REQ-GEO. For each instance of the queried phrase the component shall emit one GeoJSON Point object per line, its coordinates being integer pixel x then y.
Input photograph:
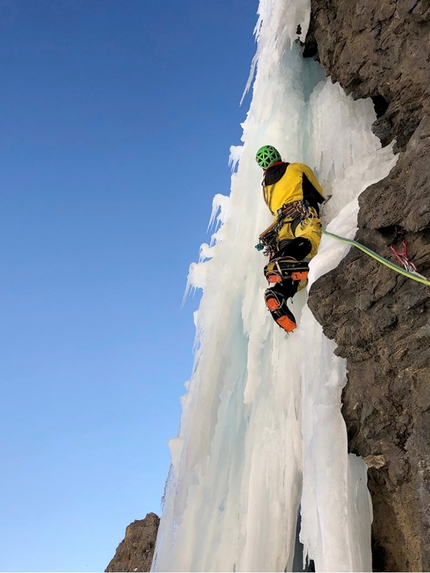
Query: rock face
{"type": "Point", "coordinates": [379, 319]}
{"type": "Point", "coordinates": [136, 550]}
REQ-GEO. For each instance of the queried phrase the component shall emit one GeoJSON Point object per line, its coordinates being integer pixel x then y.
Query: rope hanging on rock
{"type": "Point", "coordinates": [410, 273]}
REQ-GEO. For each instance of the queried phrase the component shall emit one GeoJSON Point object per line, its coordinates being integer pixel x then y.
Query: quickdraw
{"type": "Point", "coordinates": [292, 211]}
{"type": "Point", "coordinates": [400, 234]}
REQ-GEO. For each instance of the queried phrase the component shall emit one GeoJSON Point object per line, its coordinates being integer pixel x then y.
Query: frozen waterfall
{"type": "Point", "coordinates": [261, 433]}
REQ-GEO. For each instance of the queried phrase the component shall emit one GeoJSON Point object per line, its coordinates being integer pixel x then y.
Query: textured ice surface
{"type": "Point", "coordinates": [261, 431]}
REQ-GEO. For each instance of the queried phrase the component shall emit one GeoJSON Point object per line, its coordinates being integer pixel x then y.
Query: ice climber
{"type": "Point", "coordinates": [293, 195]}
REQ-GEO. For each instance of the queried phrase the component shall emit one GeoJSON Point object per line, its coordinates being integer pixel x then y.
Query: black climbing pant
{"type": "Point", "coordinates": [277, 295]}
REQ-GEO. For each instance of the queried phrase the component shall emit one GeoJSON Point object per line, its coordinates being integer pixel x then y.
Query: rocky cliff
{"type": "Point", "coordinates": [136, 550]}
{"type": "Point", "coordinates": [379, 319]}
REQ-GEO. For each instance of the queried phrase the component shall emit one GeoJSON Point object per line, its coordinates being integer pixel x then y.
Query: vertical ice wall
{"type": "Point", "coordinates": [261, 431]}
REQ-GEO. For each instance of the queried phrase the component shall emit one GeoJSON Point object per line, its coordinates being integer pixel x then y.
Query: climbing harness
{"type": "Point", "coordinates": [412, 274]}
{"type": "Point", "coordinates": [291, 212]}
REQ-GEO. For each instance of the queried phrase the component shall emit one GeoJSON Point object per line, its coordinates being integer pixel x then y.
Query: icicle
{"type": "Point", "coordinates": [261, 431]}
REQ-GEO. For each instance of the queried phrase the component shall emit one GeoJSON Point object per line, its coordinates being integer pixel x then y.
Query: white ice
{"type": "Point", "coordinates": [261, 433]}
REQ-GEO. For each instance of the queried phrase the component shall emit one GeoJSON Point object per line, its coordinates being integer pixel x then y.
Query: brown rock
{"type": "Point", "coordinates": [136, 550]}
{"type": "Point", "coordinates": [379, 319]}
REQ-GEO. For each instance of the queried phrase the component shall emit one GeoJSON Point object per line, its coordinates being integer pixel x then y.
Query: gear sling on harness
{"type": "Point", "coordinates": [288, 267]}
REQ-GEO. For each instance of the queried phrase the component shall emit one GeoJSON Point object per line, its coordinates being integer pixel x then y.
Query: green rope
{"type": "Point", "coordinates": [411, 275]}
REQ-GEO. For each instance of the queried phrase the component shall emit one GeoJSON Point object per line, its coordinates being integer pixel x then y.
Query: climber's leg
{"type": "Point", "coordinates": [276, 301]}
{"type": "Point", "coordinates": [298, 249]}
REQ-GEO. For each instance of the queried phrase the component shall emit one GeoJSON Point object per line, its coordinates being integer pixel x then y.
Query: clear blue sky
{"type": "Point", "coordinates": [116, 118]}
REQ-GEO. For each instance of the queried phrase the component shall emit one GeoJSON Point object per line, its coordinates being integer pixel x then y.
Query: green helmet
{"type": "Point", "coordinates": [266, 156]}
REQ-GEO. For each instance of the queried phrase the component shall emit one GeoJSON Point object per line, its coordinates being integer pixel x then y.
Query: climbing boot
{"type": "Point", "coordinates": [279, 310]}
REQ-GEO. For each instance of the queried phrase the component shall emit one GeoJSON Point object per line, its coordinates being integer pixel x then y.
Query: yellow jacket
{"type": "Point", "coordinates": [285, 183]}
